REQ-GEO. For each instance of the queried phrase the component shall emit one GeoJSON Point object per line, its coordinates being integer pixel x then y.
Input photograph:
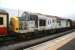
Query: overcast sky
{"type": "Point", "coordinates": [62, 8]}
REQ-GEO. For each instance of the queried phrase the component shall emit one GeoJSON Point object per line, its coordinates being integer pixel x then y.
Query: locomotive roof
{"type": "Point", "coordinates": [41, 14]}
{"type": "Point", "coordinates": [2, 11]}
{"type": "Point", "coordinates": [44, 15]}
{"type": "Point", "coordinates": [58, 18]}
{"type": "Point", "coordinates": [51, 16]}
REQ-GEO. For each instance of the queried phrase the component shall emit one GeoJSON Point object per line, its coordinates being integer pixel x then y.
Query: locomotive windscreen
{"type": "Point", "coordinates": [1, 20]}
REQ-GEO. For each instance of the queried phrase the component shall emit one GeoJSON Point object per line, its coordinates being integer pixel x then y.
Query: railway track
{"type": "Point", "coordinates": [13, 45]}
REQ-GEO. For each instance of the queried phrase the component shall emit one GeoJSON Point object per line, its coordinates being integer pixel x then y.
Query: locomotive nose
{"type": "Point", "coordinates": [15, 24]}
{"type": "Point", "coordinates": [3, 23]}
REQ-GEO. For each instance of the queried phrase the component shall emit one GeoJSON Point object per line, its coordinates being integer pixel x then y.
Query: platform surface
{"type": "Point", "coordinates": [69, 46]}
{"type": "Point", "coordinates": [66, 42]}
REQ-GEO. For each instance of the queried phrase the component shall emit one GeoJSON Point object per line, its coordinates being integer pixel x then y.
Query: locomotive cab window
{"type": "Point", "coordinates": [1, 20]}
{"type": "Point", "coordinates": [42, 22]}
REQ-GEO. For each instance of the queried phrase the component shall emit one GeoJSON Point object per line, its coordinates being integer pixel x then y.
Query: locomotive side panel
{"type": "Point", "coordinates": [42, 22]}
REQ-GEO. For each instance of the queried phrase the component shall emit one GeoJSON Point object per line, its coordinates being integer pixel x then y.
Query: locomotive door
{"type": "Point", "coordinates": [3, 23]}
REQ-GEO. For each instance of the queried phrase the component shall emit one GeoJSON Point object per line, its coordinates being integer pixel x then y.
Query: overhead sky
{"type": "Point", "coordinates": [61, 8]}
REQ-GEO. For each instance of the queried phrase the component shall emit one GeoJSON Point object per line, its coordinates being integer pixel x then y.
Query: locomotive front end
{"type": "Point", "coordinates": [3, 23]}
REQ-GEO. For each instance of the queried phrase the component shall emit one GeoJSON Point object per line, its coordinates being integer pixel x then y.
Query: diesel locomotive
{"type": "Point", "coordinates": [31, 25]}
